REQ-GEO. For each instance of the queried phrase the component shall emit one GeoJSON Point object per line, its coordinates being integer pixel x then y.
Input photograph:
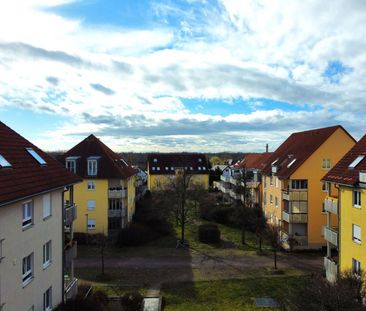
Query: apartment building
{"type": "Point", "coordinates": [293, 193]}
{"type": "Point", "coordinates": [162, 167]}
{"type": "Point", "coordinates": [32, 187]}
{"type": "Point", "coordinates": [106, 196]}
{"type": "Point", "coordinates": [345, 206]}
{"type": "Point", "coordinates": [249, 168]}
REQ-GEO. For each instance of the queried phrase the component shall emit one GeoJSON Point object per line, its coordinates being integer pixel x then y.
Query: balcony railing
{"type": "Point", "coordinates": [70, 214]}
{"type": "Point", "coordinates": [331, 205]}
{"type": "Point", "coordinates": [115, 193]}
{"type": "Point", "coordinates": [71, 287]}
{"type": "Point", "coordinates": [301, 240]}
{"type": "Point", "coordinates": [225, 178]}
{"type": "Point", "coordinates": [294, 218]}
{"type": "Point", "coordinates": [70, 252]}
{"type": "Point", "coordinates": [295, 194]}
{"type": "Point", "coordinates": [115, 213]}
{"type": "Point", "coordinates": [331, 235]}
{"type": "Point", "coordinates": [331, 269]}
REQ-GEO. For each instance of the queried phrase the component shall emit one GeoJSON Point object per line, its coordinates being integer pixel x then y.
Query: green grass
{"type": "Point", "coordinates": [227, 295]}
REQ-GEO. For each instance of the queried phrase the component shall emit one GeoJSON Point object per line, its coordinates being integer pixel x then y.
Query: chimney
{"type": "Point", "coordinates": [266, 147]}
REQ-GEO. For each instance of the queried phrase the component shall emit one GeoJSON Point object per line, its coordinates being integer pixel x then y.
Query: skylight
{"type": "Point", "coordinates": [292, 162]}
{"type": "Point", "coordinates": [274, 162]}
{"type": "Point", "coordinates": [356, 161]}
{"type": "Point", "coordinates": [36, 156]}
{"type": "Point", "coordinates": [3, 162]}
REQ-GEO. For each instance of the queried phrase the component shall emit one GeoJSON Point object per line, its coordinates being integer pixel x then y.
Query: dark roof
{"type": "Point", "coordinates": [341, 174]}
{"type": "Point", "coordinates": [299, 146]}
{"type": "Point", "coordinates": [110, 164]}
{"type": "Point", "coordinates": [254, 161]}
{"type": "Point", "coordinates": [26, 177]}
{"type": "Point", "coordinates": [167, 162]}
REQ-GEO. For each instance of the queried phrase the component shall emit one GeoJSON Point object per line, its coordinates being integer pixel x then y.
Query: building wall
{"type": "Point", "coordinates": [334, 148]}
{"type": "Point", "coordinates": [351, 215]}
{"type": "Point", "coordinates": [100, 214]}
{"type": "Point", "coordinates": [18, 244]}
{"type": "Point", "coordinates": [131, 192]}
{"type": "Point", "coordinates": [161, 182]}
{"type": "Point", "coordinates": [272, 212]}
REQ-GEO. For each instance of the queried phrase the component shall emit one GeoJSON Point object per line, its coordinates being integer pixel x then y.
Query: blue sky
{"type": "Point", "coordinates": [193, 75]}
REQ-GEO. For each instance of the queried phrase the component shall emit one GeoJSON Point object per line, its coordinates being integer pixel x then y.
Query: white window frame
{"type": "Point", "coordinates": [271, 199]}
{"type": "Point", "coordinates": [276, 182]}
{"type": "Point", "coordinates": [71, 165]}
{"type": "Point", "coordinates": [158, 168]}
{"type": "Point", "coordinates": [27, 269]}
{"type": "Point", "coordinates": [91, 185]}
{"type": "Point", "coordinates": [47, 205]}
{"type": "Point", "coordinates": [325, 186]}
{"type": "Point", "coordinates": [47, 299]}
{"type": "Point", "coordinates": [271, 180]}
{"type": "Point", "coordinates": [91, 205]}
{"type": "Point", "coordinates": [356, 266]}
{"type": "Point", "coordinates": [326, 164]}
{"type": "Point", "coordinates": [356, 233]}
{"type": "Point", "coordinates": [356, 198]}
{"type": "Point", "coordinates": [276, 201]}
{"type": "Point", "coordinates": [92, 223]}
{"type": "Point", "coordinates": [92, 167]}
{"type": "Point", "coordinates": [27, 214]}
{"type": "Point", "coordinates": [47, 254]}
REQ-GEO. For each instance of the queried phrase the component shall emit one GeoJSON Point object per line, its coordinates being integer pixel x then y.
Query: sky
{"type": "Point", "coordinates": [193, 75]}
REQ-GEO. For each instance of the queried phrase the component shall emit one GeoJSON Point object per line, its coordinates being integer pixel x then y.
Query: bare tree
{"type": "Point", "coordinates": [273, 237]}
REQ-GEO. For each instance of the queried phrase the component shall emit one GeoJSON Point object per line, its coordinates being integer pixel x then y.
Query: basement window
{"type": "Point", "coordinates": [36, 156]}
{"type": "Point", "coordinates": [356, 162]}
{"type": "Point", "coordinates": [4, 162]}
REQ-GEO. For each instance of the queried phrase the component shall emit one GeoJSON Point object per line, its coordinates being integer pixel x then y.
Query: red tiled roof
{"type": "Point", "coordinates": [299, 146]}
{"type": "Point", "coordinates": [341, 174]}
{"type": "Point", "coordinates": [166, 161]}
{"type": "Point", "coordinates": [26, 177]}
{"type": "Point", "coordinates": [254, 161]}
{"type": "Point", "coordinates": [110, 164]}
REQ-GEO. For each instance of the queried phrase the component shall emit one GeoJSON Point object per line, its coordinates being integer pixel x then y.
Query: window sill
{"type": "Point", "coordinates": [357, 206]}
{"type": "Point", "coordinates": [26, 227]}
{"type": "Point", "coordinates": [46, 265]}
{"type": "Point", "coordinates": [25, 283]}
{"type": "Point", "coordinates": [47, 217]}
{"type": "Point", "coordinates": [357, 241]}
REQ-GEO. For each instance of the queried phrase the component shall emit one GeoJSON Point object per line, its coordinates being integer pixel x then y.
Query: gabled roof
{"type": "Point", "coordinates": [254, 161]}
{"type": "Point", "coordinates": [110, 164]}
{"type": "Point", "coordinates": [165, 163]}
{"type": "Point", "coordinates": [26, 177]}
{"type": "Point", "coordinates": [296, 149]}
{"type": "Point", "coordinates": [341, 173]}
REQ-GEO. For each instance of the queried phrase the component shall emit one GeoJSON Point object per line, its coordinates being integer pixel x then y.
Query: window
{"type": "Point", "coordinates": [356, 162]}
{"type": "Point", "coordinates": [325, 186]}
{"type": "Point", "coordinates": [357, 198]}
{"type": "Point", "coordinates": [172, 168]}
{"type": "Point", "coordinates": [323, 208]}
{"type": "Point", "coordinates": [264, 182]}
{"type": "Point", "coordinates": [191, 168]}
{"type": "Point", "coordinates": [115, 204]}
{"type": "Point", "coordinates": [46, 205]}
{"type": "Point", "coordinates": [27, 273]}
{"type": "Point", "coordinates": [199, 168]}
{"type": "Point", "coordinates": [91, 185]}
{"type": "Point", "coordinates": [46, 254]}
{"type": "Point", "coordinates": [91, 205]}
{"type": "Point", "coordinates": [276, 201]}
{"type": "Point", "coordinates": [4, 162]}
{"type": "Point", "coordinates": [356, 266]}
{"type": "Point", "coordinates": [71, 165]}
{"type": "Point", "coordinates": [199, 160]}
{"type": "Point", "coordinates": [326, 164]}
{"type": "Point", "coordinates": [276, 182]}
{"type": "Point", "coordinates": [158, 168]}
{"type": "Point", "coordinates": [155, 160]}
{"type": "Point", "coordinates": [271, 180]}
{"type": "Point", "coordinates": [92, 167]}
{"type": "Point", "coordinates": [264, 198]}
{"type": "Point", "coordinates": [166, 168]}
{"type": "Point", "coordinates": [27, 213]}
{"type": "Point", "coordinates": [36, 156]}
{"type": "Point", "coordinates": [47, 300]}
{"type": "Point", "coordinates": [91, 224]}
{"type": "Point", "coordinates": [204, 168]}
{"type": "Point", "coordinates": [153, 168]}
{"type": "Point", "coordinates": [271, 199]}
{"type": "Point", "coordinates": [356, 234]}
{"type": "Point", "coordinates": [299, 184]}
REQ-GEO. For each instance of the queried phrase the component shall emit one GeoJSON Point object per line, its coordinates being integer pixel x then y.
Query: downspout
{"type": "Point", "coordinates": [63, 244]}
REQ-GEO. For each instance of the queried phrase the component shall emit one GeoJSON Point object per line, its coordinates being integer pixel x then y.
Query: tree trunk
{"type": "Point", "coordinates": [243, 235]}
{"type": "Point", "coordinates": [275, 259]}
{"type": "Point", "coordinates": [260, 243]}
{"type": "Point", "coordinates": [182, 224]}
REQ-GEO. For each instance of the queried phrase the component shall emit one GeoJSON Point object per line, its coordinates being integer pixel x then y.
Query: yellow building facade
{"type": "Point", "coordinates": [106, 197]}
{"type": "Point", "coordinates": [293, 193]}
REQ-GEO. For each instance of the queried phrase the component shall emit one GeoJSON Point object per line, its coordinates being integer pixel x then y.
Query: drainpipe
{"type": "Point", "coordinates": [63, 245]}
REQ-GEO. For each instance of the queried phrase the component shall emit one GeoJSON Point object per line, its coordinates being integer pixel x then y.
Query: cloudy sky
{"type": "Point", "coordinates": [193, 75]}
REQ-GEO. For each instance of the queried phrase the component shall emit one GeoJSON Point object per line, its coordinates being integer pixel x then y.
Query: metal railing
{"type": "Point", "coordinates": [294, 218]}
{"type": "Point", "coordinates": [331, 269]}
{"type": "Point", "coordinates": [331, 205]}
{"type": "Point", "coordinates": [70, 213]}
{"type": "Point", "coordinates": [331, 235]}
{"type": "Point", "coordinates": [117, 193]}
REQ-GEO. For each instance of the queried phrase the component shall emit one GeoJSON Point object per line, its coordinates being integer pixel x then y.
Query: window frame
{"type": "Point", "coordinates": [91, 185]}
{"type": "Point", "coordinates": [47, 261]}
{"type": "Point", "coordinates": [27, 276]}
{"type": "Point", "coordinates": [47, 299]}
{"type": "Point", "coordinates": [356, 266]}
{"type": "Point", "coordinates": [276, 201]}
{"type": "Point", "coordinates": [92, 167]}
{"type": "Point", "coordinates": [90, 206]}
{"type": "Point", "coordinates": [27, 221]}
{"type": "Point", "coordinates": [271, 199]}
{"type": "Point", "coordinates": [356, 198]}
{"type": "Point", "coordinates": [354, 238]}
{"type": "Point", "coordinates": [71, 165]}
{"type": "Point", "coordinates": [91, 220]}
{"type": "Point", "coordinates": [50, 206]}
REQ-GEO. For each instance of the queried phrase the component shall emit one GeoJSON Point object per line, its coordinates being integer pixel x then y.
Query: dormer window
{"type": "Point", "coordinates": [71, 164]}
{"type": "Point", "coordinates": [36, 156]}
{"type": "Point", "coordinates": [155, 160]}
{"type": "Point", "coordinates": [4, 162]}
{"type": "Point", "coordinates": [153, 168]}
{"type": "Point", "coordinates": [93, 166]}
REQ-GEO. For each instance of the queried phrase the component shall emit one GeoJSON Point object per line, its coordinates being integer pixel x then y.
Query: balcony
{"type": "Point", "coordinates": [225, 178]}
{"type": "Point", "coordinates": [117, 193]}
{"type": "Point", "coordinates": [70, 214]}
{"type": "Point", "coordinates": [70, 252]}
{"type": "Point", "coordinates": [295, 218]}
{"type": "Point", "coordinates": [301, 240]}
{"type": "Point", "coordinates": [71, 287]}
{"type": "Point", "coordinates": [285, 195]}
{"type": "Point", "coordinates": [115, 213]}
{"type": "Point", "coordinates": [331, 269]}
{"type": "Point", "coordinates": [294, 195]}
{"type": "Point", "coordinates": [331, 205]}
{"type": "Point", "coordinates": [331, 235]}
